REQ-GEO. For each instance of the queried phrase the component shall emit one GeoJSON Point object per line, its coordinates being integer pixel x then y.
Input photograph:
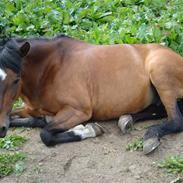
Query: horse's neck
{"type": "Point", "coordinates": [44, 58]}
{"type": "Point", "coordinates": [41, 65]}
{"type": "Point", "coordinates": [36, 66]}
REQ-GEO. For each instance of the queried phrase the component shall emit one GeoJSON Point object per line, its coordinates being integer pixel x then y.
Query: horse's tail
{"type": "Point", "coordinates": [156, 97]}
{"type": "Point", "coordinates": [179, 109]}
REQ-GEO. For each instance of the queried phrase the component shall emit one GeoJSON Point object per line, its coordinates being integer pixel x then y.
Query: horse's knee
{"type": "Point", "coordinates": [47, 138]}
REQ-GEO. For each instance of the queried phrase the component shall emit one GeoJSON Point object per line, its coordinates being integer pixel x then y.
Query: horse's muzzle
{"type": "Point", "coordinates": [4, 127]}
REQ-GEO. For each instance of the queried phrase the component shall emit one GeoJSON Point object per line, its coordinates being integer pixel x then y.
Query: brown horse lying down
{"type": "Point", "coordinates": [67, 82]}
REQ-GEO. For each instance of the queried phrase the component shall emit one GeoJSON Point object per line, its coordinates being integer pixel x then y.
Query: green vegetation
{"type": "Point", "coordinates": [18, 103]}
{"type": "Point", "coordinates": [137, 145]}
{"type": "Point", "coordinates": [12, 142]}
{"type": "Point", "coordinates": [100, 22]}
{"type": "Point", "coordinates": [173, 164]}
{"type": "Point", "coordinates": [12, 163]}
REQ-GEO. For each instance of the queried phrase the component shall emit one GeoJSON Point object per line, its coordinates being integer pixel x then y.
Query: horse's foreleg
{"type": "Point", "coordinates": [152, 112]}
{"type": "Point", "coordinates": [25, 117]}
{"type": "Point", "coordinates": [24, 112]}
{"type": "Point", "coordinates": [28, 122]}
{"type": "Point", "coordinates": [78, 133]}
{"type": "Point", "coordinates": [65, 127]}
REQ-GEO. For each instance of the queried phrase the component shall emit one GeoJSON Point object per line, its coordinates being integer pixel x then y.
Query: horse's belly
{"type": "Point", "coordinates": [116, 105]}
{"type": "Point", "coordinates": [128, 93]}
{"type": "Point", "coordinates": [120, 82]}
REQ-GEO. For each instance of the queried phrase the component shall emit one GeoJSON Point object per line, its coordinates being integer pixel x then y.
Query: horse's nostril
{"type": "Point", "coordinates": [3, 131]}
{"type": "Point", "coordinates": [3, 128]}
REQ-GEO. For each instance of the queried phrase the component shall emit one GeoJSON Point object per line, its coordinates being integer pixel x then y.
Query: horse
{"type": "Point", "coordinates": [65, 82]}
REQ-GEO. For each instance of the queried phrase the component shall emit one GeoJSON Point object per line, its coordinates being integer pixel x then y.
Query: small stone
{"type": "Point", "coordinates": [137, 177]}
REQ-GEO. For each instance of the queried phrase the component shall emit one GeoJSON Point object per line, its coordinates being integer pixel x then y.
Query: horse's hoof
{"type": "Point", "coordinates": [96, 127]}
{"type": "Point", "coordinates": [125, 123]}
{"type": "Point", "coordinates": [150, 145]}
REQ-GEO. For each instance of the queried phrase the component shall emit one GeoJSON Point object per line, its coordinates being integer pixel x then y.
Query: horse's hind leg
{"type": "Point", "coordinates": [152, 112]}
{"type": "Point", "coordinates": [155, 132]}
{"type": "Point", "coordinates": [166, 79]}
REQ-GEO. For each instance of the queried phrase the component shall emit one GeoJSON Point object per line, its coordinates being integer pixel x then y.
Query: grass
{"type": "Point", "coordinates": [12, 163]}
{"type": "Point", "coordinates": [137, 145]}
{"type": "Point", "coordinates": [173, 164]}
{"type": "Point", "coordinates": [17, 104]}
{"type": "Point", "coordinates": [12, 142]}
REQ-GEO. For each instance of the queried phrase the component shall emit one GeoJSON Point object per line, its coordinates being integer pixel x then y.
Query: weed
{"type": "Point", "coordinates": [137, 145]}
{"type": "Point", "coordinates": [173, 164]}
{"type": "Point", "coordinates": [18, 103]}
{"type": "Point", "coordinates": [12, 142]}
{"type": "Point", "coordinates": [10, 163]}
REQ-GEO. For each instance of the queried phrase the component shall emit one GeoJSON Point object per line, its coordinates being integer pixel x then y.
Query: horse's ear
{"type": "Point", "coordinates": [24, 49]}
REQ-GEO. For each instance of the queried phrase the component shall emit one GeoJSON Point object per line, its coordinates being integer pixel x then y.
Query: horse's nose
{"type": "Point", "coordinates": [3, 131]}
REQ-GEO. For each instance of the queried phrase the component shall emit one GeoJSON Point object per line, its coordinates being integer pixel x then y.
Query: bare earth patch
{"type": "Point", "coordinates": [99, 160]}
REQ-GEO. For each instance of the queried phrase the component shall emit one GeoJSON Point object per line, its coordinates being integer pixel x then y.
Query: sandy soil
{"type": "Point", "coordinates": [99, 160]}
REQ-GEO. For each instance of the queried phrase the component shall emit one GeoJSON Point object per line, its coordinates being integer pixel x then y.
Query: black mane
{"type": "Point", "coordinates": [10, 56]}
{"type": "Point", "coordinates": [43, 38]}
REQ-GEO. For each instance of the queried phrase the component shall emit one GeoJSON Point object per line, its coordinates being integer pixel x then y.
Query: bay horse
{"type": "Point", "coordinates": [65, 82]}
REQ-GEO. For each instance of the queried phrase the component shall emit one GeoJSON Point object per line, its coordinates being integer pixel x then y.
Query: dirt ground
{"type": "Point", "coordinates": [99, 160]}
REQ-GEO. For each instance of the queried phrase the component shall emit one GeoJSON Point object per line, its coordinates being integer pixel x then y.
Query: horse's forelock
{"type": "Point", "coordinates": [10, 56]}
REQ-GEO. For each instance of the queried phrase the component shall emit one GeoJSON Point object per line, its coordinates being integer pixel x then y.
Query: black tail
{"type": "Point", "coordinates": [179, 109]}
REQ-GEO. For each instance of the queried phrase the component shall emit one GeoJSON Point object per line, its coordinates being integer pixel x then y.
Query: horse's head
{"type": "Point", "coordinates": [11, 58]}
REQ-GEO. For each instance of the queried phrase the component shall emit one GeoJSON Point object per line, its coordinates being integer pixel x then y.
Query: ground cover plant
{"type": "Point", "coordinates": [173, 164]}
{"type": "Point", "coordinates": [100, 22]}
{"type": "Point", "coordinates": [11, 159]}
{"type": "Point", "coordinates": [12, 163]}
{"type": "Point", "coordinates": [12, 142]}
{"type": "Point", "coordinates": [136, 145]}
